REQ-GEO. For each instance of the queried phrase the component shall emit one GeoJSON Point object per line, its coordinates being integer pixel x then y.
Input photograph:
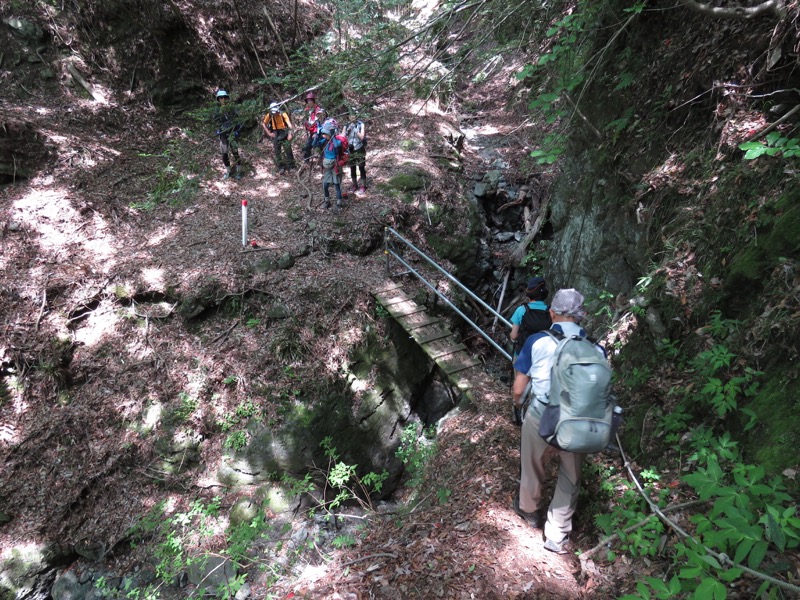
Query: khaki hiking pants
{"type": "Point", "coordinates": [534, 455]}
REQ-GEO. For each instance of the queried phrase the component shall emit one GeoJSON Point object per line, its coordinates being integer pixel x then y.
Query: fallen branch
{"type": "Point", "coordinates": [79, 78]}
{"type": "Point", "coordinates": [775, 8]}
{"type": "Point", "coordinates": [769, 128]}
{"type": "Point", "coordinates": [41, 309]}
{"type": "Point", "coordinates": [519, 253]}
{"type": "Point", "coordinates": [516, 202]}
{"type": "Point", "coordinates": [724, 559]}
{"type": "Point", "coordinates": [224, 335]}
{"type": "Point", "coordinates": [502, 295]}
{"type": "Point", "coordinates": [583, 117]}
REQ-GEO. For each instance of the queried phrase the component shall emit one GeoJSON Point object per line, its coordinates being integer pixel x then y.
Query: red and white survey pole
{"type": "Point", "coordinates": [244, 223]}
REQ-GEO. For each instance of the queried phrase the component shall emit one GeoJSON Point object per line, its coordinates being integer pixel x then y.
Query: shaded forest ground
{"type": "Point", "coordinates": [106, 237]}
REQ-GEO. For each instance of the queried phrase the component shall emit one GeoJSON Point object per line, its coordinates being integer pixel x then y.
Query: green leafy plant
{"type": "Point", "coordinates": [415, 452]}
{"type": "Point", "coordinates": [775, 144]}
{"type": "Point", "coordinates": [343, 541]}
{"type": "Point", "coordinates": [185, 408]}
{"type": "Point", "coordinates": [236, 440]}
{"type": "Point", "coordinates": [343, 484]}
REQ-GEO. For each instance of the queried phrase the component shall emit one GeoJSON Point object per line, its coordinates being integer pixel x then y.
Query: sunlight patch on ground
{"type": "Point", "coordinates": [51, 215]}
{"type": "Point", "coordinates": [97, 325]}
{"type": "Point", "coordinates": [156, 238]}
{"type": "Point", "coordinates": [431, 107]}
{"type": "Point", "coordinates": [154, 278]}
{"type": "Point", "coordinates": [9, 434]}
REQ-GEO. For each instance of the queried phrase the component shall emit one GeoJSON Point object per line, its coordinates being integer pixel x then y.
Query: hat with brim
{"type": "Point", "coordinates": [568, 303]}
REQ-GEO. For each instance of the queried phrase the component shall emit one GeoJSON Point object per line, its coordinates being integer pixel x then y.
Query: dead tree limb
{"type": "Point", "coordinates": [583, 117]}
{"type": "Point", "coordinates": [277, 35]}
{"type": "Point", "coordinates": [519, 252]}
{"type": "Point", "coordinates": [774, 8]}
{"type": "Point", "coordinates": [79, 79]}
{"type": "Point", "coordinates": [772, 126]}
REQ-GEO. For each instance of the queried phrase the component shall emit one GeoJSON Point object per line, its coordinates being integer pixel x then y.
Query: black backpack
{"type": "Point", "coordinates": [533, 321]}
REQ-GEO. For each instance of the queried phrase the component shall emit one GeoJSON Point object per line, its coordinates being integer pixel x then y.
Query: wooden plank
{"type": "Point", "coordinates": [430, 335]}
{"type": "Point", "coordinates": [417, 320]}
{"type": "Point", "coordinates": [394, 297]}
{"type": "Point", "coordinates": [459, 365]}
{"type": "Point", "coordinates": [437, 352]}
{"type": "Point", "coordinates": [400, 310]}
{"type": "Point", "coordinates": [387, 287]}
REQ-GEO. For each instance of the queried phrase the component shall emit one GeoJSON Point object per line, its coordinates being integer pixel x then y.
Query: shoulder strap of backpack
{"type": "Point", "coordinates": [555, 334]}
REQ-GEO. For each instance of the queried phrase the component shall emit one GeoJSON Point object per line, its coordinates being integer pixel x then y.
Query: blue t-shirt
{"type": "Point", "coordinates": [332, 147]}
{"type": "Point", "coordinates": [516, 318]}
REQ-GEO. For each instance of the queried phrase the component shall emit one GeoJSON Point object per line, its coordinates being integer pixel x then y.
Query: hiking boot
{"type": "Point", "coordinates": [362, 190]}
{"type": "Point", "coordinates": [558, 548]}
{"type": "Point", "coordinates": [535, 519]}
{"type": "Point", "coordinates": [326, 204]}
{"type": "Point", "coordinates": [226, 175]}
{"type": "Point", "coordinates": [517, 417]}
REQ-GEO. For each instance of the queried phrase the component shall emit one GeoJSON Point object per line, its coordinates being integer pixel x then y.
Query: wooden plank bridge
{"type": "Point", "coordinates": [439, 343]}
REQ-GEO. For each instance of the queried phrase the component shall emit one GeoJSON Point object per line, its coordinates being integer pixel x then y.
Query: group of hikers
{"type": "Point", "coordinates": [561, 389]}
{"type": "Point", "coordinates": [337, 148]}
{"type": "Point", "coordinates": [562, 400]}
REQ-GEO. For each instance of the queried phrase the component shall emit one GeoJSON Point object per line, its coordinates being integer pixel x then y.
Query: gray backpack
{"type": "Point", "coordinates": [579, 415]}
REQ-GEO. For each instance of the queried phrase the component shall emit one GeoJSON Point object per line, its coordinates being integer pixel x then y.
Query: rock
{"type": "Point", "coordinates": [436, 403]}
{"type": "Point", "coordinates": [482, 190]}
{"type": "Point", "coordinates": [301, 535]}
{"type": "Point", "coordinates": [25, 29]}
{"type": "Point", "coordinates": [266, 265]}
{"type": "Point", "coordinates": [493, 178]}
{"type": "Point", "coordinates": [67, 587]}
{"type": "Point", "coordinates": [505, 236]}
{"type": "Point", "coordinates": [212, 572]}
{"type": "Point", "coordinates": [243, 593]}
{"type": "Point", "coordinates": [279, 311]}
{"type": "Point", "coordinates": [90, 550]}
{"type": "Point", "coordinates": [243, 512]}
{"type": "Point", "coordinates": [286, 261]}
{"type": "Point", "coordinates": [408, 182]}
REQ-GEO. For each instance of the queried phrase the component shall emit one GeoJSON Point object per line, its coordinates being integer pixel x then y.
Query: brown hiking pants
{"type": "Point", "coordinates": [534, 454]}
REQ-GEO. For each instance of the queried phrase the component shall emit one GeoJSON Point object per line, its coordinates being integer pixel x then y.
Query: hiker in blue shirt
{"type": "Point", "coordinates": [533, 369]}
{"type": "Point", "coordinates": [331, 149]}
{"type": "Point", "coordinates": [536, 292]}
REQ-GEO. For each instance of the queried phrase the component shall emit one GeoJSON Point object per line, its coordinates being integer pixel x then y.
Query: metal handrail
{"type": "Point", "coordinates": [389, 251]}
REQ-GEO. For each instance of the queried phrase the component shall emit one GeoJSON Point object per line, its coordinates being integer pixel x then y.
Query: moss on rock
{"type": "Point", "coordinates": [408, 182]}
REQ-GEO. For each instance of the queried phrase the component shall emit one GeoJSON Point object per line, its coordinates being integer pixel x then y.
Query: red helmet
{"type": "Point", "coordinates": [311, 96]}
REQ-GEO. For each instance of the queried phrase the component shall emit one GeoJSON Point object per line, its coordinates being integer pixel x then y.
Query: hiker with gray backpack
{"type": "Point", "coordinates": [571, 413]}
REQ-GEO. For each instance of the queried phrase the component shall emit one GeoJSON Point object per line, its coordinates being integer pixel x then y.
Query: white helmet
{"type": "Point", "coordinates": [222, 94]}
{"type": "Point", "coordinates": [274, 108]}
